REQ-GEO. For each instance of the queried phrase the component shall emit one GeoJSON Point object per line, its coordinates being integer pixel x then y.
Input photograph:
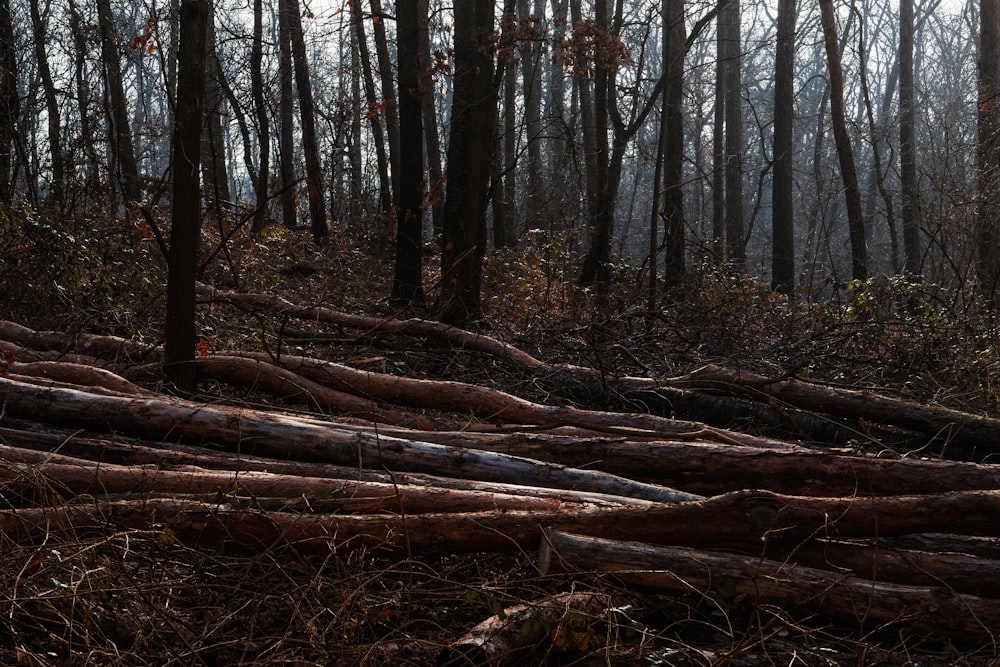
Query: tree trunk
{"type": "Point", "coordinates": [122, 149]}
{"type": "Point", "coordinates": [848, 171]}
{"type": "Point", "coordinates": [474, 108]}
{"type": "Point", "coordinates": [907, 148]}
{"type": "Point", "coordinates": [432, 142]}
{"type": "Point", "coordinates": [389, 101]}
{"type": "Point", "coordinates": [673, 119]}
{"type": "Point", "coordinates": [213, 159]}
{"type": "Point", "coordinates": [783, 216]}
{"type": "Point", "coordinates": [57, 166]}
{"type": "Point", "coordinates": [182, 261]}
{"type": "Point", "coordinates": [260, 216]}
{"type": "Point", "coordinates": [531, 81]}
{"type": "Point", "coordinates": [988, 153]}
{"type": "Point", "coordinates": [719, 145]}
{"type": "Point", "coordinates": [310, 143]}
{"type": "Point", "coordinates": [10, 105]}
{"type": "Point", "coordinates": [596, 268]}
{"type": "Point", "coordinates": [731, 36]}
{"type": "Point", "coordinates": [407, 283]}
{"type": "Point", "coordinates": [286, 138]}
{"type": "Point", "coordinates": [381, 157]}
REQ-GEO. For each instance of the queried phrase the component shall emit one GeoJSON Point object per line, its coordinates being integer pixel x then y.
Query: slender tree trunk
{"type": "Point", "coordinates": [122, 148]}
{"type": "Point", "coordinates": [596, 264]}
{"type": "Point", "coordinates": [57, 186]}
{"type": "Point", "coordinates": [783, 216]}
{"type": "Point", "coordinates": [735, 247]}
{"type": "Point", "coordinates": [407, 284]}
{"type": "Point", "coordinates": [907, 149]}
{"type": "Point", "coordinates": [988, 226]}
{"type": "Point", "coordinates": [263, 118]}
{"type": "Point", "coordinates": [719, 144]}
{"type": "Point", "coordinates": [674, 37]}
{"type": "Point", "coordinates": [531, 82]}
{"type": "Point", "coordinates": [82, 86]}
{"type": "Point", "coordinates": [286, 143]}
{"type": "Point", "coordinates": [213, 160]}
{"type": "Point", "coordinates": [10, 105]}
{"type": "Point", "coordinates": [182, 261]}
{"type": "Point", "coordinates": [382, 160]}
{"type": "Point", "coordinates": [357, 106]}
{"type": "Point", "coordinates": [389, 101]}
{"type": "Point", "coordinates": [848, 171]}
{"type": "Point", "coordinates": [310, 144]}
{"type": "Point", "coordinates": [473, 113]}
{"type": "Point", "coordinates": [432, 142]}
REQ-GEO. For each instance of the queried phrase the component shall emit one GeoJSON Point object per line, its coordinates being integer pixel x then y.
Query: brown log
{"type": "Point", "coordinates": [872, 605]}
{"type": "Point", "coordinates": [78, 374]}
{"type": "Point", "coordinates": [106, 347]}
{"type": "Point", "coordinates": [284, 435]}
{"type": "Point", "coordinates": [283, 384]}
{"type": "Point", "coordinates": [494, 405]}
{"type": "Point", "coordinates": [739, 519]}
{"type": "Point", "coordinates": [84, 477]}
{"type": "Point", "coordinates": [34, 448]}
{"type": "Point", "coordinates": [950, 425]}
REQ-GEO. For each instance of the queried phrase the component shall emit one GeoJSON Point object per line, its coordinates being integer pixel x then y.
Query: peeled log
{"type": "Point", "coordinates": [870, 604]}
{"type": "Point", "coordinates": [282, 436]}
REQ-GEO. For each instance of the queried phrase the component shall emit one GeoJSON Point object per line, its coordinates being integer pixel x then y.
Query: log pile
{"type": "Point", "coordinates": [357, 459]}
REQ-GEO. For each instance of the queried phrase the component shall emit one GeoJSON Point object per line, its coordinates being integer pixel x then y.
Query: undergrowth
{"type": "Point", "coordinates": [131, 598]}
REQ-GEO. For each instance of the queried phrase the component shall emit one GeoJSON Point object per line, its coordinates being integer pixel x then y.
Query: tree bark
{"type": "Point", "coordinates": [933, 610]}
{"type": "Point", "coordinates": [848, 170]}
{"type": "Point", "coordinates": [389, 100]}
{"type": "Point", "coordinates": [286, 112]}
{"type": "Point", "coordinates": [10, 105]}
{"type": "Point", "coordinates": [310, 143]}
{"type": "Point", "coordinates": [731, 36]}
{"type": "Point", "coordinates": [407, 282]}
{"type": "Point", "coordinates": [988, 153]}
{"type": "Point", "coordinates": [673, 118]}
{"type": "Point", "coordinates": [783, 215]}
{"type": "Point", "coordinates": [56, 157]}
{"type": "Point", "coordinates": [263, 116]}
{"type": "Point", "coordinates": [122, 148]}
{"type": "Point", "coordinates": [182, 260]}
{"type": "Point", "coordinates": [474, 107]}
{"type": "Point", "coordinates": [907, 147]}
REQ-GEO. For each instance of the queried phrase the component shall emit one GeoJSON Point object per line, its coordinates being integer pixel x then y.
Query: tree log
{"type": "Point", "coordinates": [282, 435]}
{"type": "Point", "coordinates": [870, 604]}
{"type": "Point", "coordinates": [947, 424]}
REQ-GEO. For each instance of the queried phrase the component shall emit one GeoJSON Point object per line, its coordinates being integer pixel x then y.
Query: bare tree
{"type": "Point", "coordinates": [406, 286]}
{"type": "Point", "coordinates": [51, 105]}
{"type": "Point", "coordinates": [310, 144]}
{"type": "Point", "coordinates": [122, 148]}
{"type": "Point", "coordinates": [474, 101]}
{"type": "Point", "coordinates": [263, 117]}
{"type": "Point", "coordinates": [848, 171]}
{"type": "Point", "coordinates": [907, 149]}
{"type": "Point", "coordinates": [783, 216]}
{"type": "Point", "coordinates": [9, 103]}
{"type": "Point", "coordinates": [179, 341]}
{"type": "Point", "coordinates": [988, 225]}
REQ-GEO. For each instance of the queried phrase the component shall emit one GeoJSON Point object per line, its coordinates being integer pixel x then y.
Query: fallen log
{"type": "Point", "coordinates": [331, 495]}
{"type": "Point", "coordinates": [34, 448]}
{"type": "Point", "coordinates": [281, 436]}
{"type": "Point", "coordinates": [494, 405]}
{"type": "Point", "coordinates": [870, 604]}
{"type": "Point", "coordinates": [735, 521]}
{"type": "Point", "coordinates": [112, 348]}
{"type": "Point", "coordinates": [944, 423]}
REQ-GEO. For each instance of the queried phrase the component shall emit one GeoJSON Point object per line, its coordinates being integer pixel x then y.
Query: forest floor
{"type": "Point", "coordinates": [134, 597]}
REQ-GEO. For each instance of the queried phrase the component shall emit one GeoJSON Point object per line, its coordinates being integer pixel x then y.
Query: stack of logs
{"type": "Point", "coordinates": [417, 466]}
